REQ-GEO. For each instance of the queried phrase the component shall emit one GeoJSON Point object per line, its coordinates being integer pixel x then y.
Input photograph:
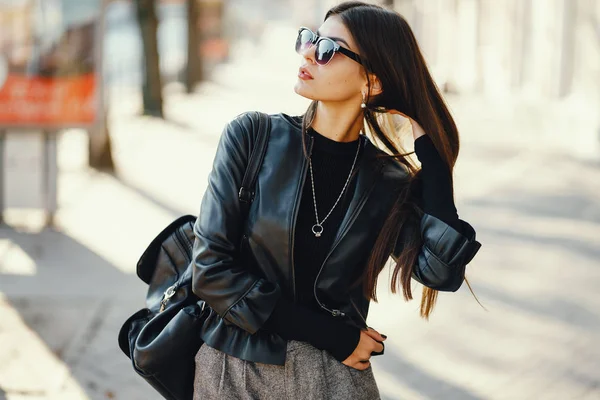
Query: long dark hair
{"type": "Point", "coordinates": [390, 51]}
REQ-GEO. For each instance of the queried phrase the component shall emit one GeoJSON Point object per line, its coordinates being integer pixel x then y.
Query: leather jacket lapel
{"type": "Point", "coordinates": [330, 280]}
{"type": "Point", "coordinates": [369, 169]}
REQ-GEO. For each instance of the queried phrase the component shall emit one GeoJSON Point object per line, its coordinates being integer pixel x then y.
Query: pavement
{"type": "Point", "coordinates": [526, 179]}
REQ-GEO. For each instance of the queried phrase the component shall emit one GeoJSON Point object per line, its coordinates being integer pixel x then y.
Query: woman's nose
{"type": "Point", "coordinates": [308, 53]}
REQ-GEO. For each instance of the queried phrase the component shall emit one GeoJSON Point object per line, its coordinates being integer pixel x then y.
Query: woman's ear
{"type": "Point", "coordinates": [376, 86]}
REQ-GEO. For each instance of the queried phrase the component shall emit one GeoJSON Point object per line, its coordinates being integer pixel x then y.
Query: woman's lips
{"type": "Point", "coordinates": [304, 74]}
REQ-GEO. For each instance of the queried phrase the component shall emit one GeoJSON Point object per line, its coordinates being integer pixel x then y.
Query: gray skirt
{"type": "Point", "coordinates": [308, 374]}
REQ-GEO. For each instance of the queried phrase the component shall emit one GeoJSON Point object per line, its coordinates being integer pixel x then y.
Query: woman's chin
{"type": "Point", "coordinates": [300, 89]}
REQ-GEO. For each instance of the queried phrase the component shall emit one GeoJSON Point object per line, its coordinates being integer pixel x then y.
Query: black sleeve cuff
{"type": "Point", "coordinates": [296, 322]}
{"type": "Point", "coordinates": [344, 341]}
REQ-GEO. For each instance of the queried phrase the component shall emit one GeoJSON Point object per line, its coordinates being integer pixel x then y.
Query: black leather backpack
{"type": "Point", "coordinates": [162, 339]}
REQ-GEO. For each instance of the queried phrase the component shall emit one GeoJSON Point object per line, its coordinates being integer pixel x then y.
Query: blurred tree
{"type": "Point", "coordinates": [99, 147]}
{"type": "Point", "coordinates": [99, 144]}
{"type": "Point", "coordinates": [152, 87]}
{"type": "Point", "coordinates": [193, 73]}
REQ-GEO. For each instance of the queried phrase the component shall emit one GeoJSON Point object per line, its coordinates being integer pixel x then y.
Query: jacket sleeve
{"type": "Point", "coordinates": [444, 253]}
{"type": "Point", "coordinates": [219, 276]}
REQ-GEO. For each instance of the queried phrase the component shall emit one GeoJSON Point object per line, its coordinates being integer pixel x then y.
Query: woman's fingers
{"type": "Point", "coordinates": [375, 335]}
{"type": "Point", "coordinates": [362, 365]}
{"type": "Point", "coordinates": [402, 114]}
{"type": "Point", "coordinates": [378, 347]}
{"type": "Point", "coordinates": [416, 128]}
{"type": "Point", "coordinates": [371, 341]}
{"type": "Point", "coordinates": [357, 364]}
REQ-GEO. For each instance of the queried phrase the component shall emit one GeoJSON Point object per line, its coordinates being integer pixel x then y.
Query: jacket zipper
{"type": "Point", "coordinates": [358, 312]}
{"type": "Point", "coordinates": [295, 217]}
{"type": "Point", "coordinates": [335, 312]}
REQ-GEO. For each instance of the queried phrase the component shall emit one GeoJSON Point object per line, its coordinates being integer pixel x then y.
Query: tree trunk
{"type": "Point", "coordinates": [193, 73]}
{"type": "Point", "coordinates": [99, 147]}
{"type": "Point", "coordinates": [152, 87]}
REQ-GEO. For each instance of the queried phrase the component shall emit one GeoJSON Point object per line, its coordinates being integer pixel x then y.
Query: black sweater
{"type": "Point", "coordinates": [331, 162]}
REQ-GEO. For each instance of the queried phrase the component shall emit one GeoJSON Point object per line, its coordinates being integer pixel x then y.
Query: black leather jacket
{"type": "Point", "coordinates": [241, 269]}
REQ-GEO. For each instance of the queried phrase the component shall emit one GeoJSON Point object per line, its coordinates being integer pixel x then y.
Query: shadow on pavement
{"type": "Point", "coordinates": [428, 386]}
{"type": "Point", "coordinates": [73, 301]}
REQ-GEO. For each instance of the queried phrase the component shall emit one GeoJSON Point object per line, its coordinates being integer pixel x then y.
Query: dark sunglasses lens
{"type": "Point", "coordinates": [324, 52]}
{"type": "Point", "coordinates": [304, 40]}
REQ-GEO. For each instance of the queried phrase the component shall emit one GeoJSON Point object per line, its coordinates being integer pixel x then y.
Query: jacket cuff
{"type": "Point", "coordinates": [453, 248]}
{"type": "Point", "coordinates": [347, 340]}
{"type": "Point", "coordinates": [253, 308]}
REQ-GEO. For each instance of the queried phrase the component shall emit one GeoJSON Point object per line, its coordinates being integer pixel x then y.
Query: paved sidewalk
{"type": "Point", "coordinates": [533, 200]}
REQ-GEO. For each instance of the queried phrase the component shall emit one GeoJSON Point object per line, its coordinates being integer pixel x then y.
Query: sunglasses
{"type": "Point", "coordinates": [325, 48]}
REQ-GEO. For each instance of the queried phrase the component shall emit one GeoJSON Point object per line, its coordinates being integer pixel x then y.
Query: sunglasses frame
{"type": "Point", "coordinates": [337, 48]}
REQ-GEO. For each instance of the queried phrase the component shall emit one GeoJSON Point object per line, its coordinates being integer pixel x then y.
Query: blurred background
{"type": "Point", "coordinates": [110, 112]}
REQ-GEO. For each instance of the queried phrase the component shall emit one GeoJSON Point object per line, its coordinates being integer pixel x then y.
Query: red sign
{"type": "Point", "coordinates": [48, 101]}
{"type": "Point", "coordinates": [48, 74]}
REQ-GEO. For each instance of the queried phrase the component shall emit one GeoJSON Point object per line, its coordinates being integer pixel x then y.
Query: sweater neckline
{"type": "Point", "coordinates": [326, 145]}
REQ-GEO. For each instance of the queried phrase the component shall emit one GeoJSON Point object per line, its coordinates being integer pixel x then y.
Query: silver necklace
{"type": "Point", "coordinates": [317, 228]}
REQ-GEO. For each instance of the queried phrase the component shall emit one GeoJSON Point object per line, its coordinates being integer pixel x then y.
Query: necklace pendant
{"type": "Point", "coordinates": [317, 229]}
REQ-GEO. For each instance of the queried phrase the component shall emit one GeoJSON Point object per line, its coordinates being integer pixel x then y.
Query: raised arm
{"type": "Point", "coordinates": [449, 243]}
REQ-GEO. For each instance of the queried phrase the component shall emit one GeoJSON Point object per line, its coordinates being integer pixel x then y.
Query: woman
{"type": "Point", "coordinates": [289, 285]}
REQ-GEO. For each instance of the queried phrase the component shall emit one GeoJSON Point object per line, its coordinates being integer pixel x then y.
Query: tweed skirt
{"type": "Point", "coordinates": [308, 374]}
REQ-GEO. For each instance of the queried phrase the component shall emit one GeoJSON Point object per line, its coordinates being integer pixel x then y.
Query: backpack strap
{"type": "Point", "coordinates": [246, 193]}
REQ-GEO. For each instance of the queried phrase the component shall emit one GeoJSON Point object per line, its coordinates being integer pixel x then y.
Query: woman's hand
{"type": "Point", "coordinates": [417, 130]}
{"type": "Point", "coordinates": [369, 342]}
